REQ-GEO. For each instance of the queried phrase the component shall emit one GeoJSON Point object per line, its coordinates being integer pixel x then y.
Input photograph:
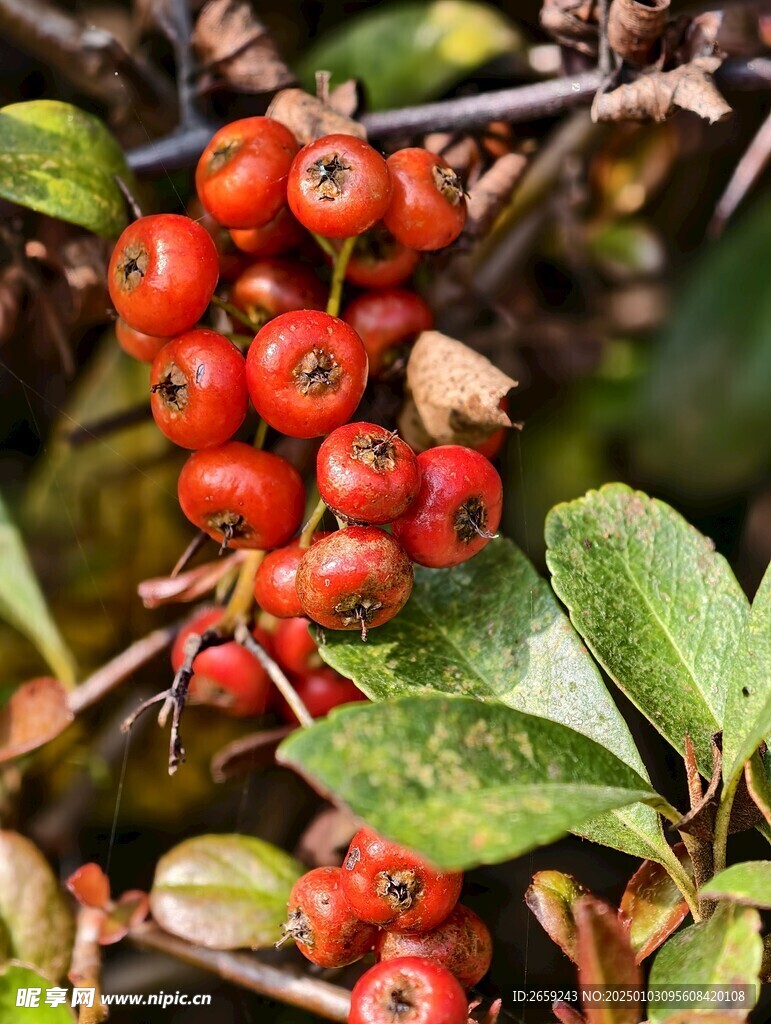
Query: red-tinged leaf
{"type": "Point", "coordinates": [90, 886]}
{"type": "Point", "coordinates": [566, 1014]}
{"type": "Point", "coordinates": [130, 910]}
{"type": "Point", "coordinates": [605, 957]}
{"type": "Point", "coordinates": [36, 713]}
{"type": "Point", "coordinates": [552, 896]}
{"type": "Point", "coordinates": [652, 906]}
{"type": "Point", "coordinates": [187, 586]}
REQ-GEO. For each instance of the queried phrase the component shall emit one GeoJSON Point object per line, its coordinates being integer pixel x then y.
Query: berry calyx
{"type": "Point", "coordinates": [241, 175]}
{"type": "Point", "coordinates": [137, 344]}
{"type": "Point", "coordinates": [338, 186]}
{"type": "Point", "coordinates": [321, 923]}
{"type": "Point", "coordinates": [162, 274]}
{"type": "Point", "coordinates": [411, 990]}
{"type": "Point", "coordinates": [227, 676]}
{"type": "Point", "coordinates": [198, 389]}
{"type": "Point", "coordinates": [386, 321]}
{"type": "Point", "coordinates": [271, 286]}
{"type": "Point", "coordinates": [379, 261]}
{"type": "Point", "coordinates": [428, 206]}
{"type": "Point", "coordinates": [388, 885]}
{"type": "Point", "coordinates": [462, 943]}
{"type": "Point", "coordinates": [457, 510]}
{"type": "Point", "coordinates": [321, 690]}
{"type": "Point", "coordinates": [357, 578]}
{"type": "Point", "coordinates": [306, 372]}
{"type": "Point", "coordinates": [242, 497]}
{"type": "Point", "coordinates": [366, 474]}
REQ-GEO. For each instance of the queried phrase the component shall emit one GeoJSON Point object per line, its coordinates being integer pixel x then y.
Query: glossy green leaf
{"type": "Point", "coordinates": [59, 160]}
{"type": "Point", "coordinates": [726, 949]}
{"type": "Point", "coordinates": [748, 883]}
{"type": "Point", "coordinates": [748, 686]}
{"type": "Point", "coordinates": [15, 976]}
{"type": "Point", "coordinates": [492, 629]}
{"type": "Point", "coordinates": [35, 917]}
{"type": "Point", "coordinates": [703, 424]}
{"type": "Point", "coordinates": [22, 604]}
{"type": "Point", "coordinates": [660, 610]}
{"type": "Point", "coordinates": [224, 891]}
{"type": "Point", "coordinates": [410, 52]}
{"type": "Point", "coordinates": [463, 782]}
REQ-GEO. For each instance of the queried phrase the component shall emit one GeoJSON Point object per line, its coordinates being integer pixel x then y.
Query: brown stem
{"type": "Point", "coordinates": [86, 964]}
{"type": "Point", "coordinates": [244, 637]}
{"type": "Point", "coordinates": [328, 1001]}
{"type": "Point", "coordinates": [87, 432]}
{"type": "Point", "coordinates": [195, 545]}
{"type": "Point", "coordinates": [747, 172]}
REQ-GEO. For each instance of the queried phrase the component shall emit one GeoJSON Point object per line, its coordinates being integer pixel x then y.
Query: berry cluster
{"type": "Point", "coordinates": [430, 949]}
{"type": "Point", "coordinates": [306, 369]}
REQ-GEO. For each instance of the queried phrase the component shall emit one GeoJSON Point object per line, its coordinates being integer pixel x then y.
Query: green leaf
{"type": "Point", "coordinates": [34, 915]}
{"type": "Point", "coordinates": [703, 423]}
{"type": "Point", "coordinates": [748, 883]}
{"type": "Point", "coordinates": [463, 782]}
{"type": "Point", "coordinates": [724, 950]}
{"type": "Point", "coordinates": [59, 160]}
{"type": "Point", "coordinates": [410, 52]}
{"type": "Point", "coordinates": [492, 629]}
{"type": "Point", "coordinates": [552, 897]}
{"type": "Point", "coordinates": [15, 976]}
{"type": "Point", "coordinates": [224, 891]}
{"type": "Point", "coordinates": [23, 606]}
{"type": "Point", "coordinates": [748, 687]}
{"type": "Point", "coordinates": [656, 605]}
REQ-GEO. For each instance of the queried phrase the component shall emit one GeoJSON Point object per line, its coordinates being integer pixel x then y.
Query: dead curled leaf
{"type": "Point", "coordinates": [236, 50]}
{"type": "Point", "coordinates": [36, 713]}
{"type": "Point", "coordinates": [658, 94]}
{"type": "Point", "coordinates": [187, 586]}
{"type": "Point", "coordinates": [700, 820]}
{"type": "Point", "coordinates": [572, 23]}
{"type": "Point", "coordinates": [457, 392]}
{"type": "Point", "coordinates": [308, 118]}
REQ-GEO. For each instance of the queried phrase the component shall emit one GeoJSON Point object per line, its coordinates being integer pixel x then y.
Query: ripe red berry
{"type": "Point", "coordinates": [227, 676]}
{"type": "Point", "coordinates": [242, 497]}
{"type": "Point", "coordinates": [389, 885]}
{"type": "Point", "coordinates": [366, 474]}
{"type": "Point", "coordinates": [198, 389]}
{"type": "Point", "coordinates": [231, 260]}
{"type": "Point", "coordinates": [294, 646]}
{"type": "Point", "coordinates": [162, 274]}
{"type": "Point", "coordinates": [492, 445]}
{"type": "Point", "coordinates": [428, 208]}
{"type": "Point", "coordinates": [412, 990]}
{"type": "Point", "coordinates": [462, 943]}
{"type": "Point", "coordinates": [274, 582]}
{"type": "Point", "coordinates": [321, 923]}
{"type": "Point", "coordinates": [385, 321]}
{"type": "Point", "coordinates": [241, 175]}
{"type": "Point", "coordinates": [306, 372]}
{"type": "Point", "coordinates": [270, 287]}
{"type": "Point", "coordinates": [338, 186]}
{"type": "Point", "coordinates": [379, 261]}
{"type": "Point", "coordinates": [320, 690]}
{"type": "Point", "coordinates": [356, 579]}
{"type": "Point", "coordinates": [275, 238]}
{"type": "Point", "coordinates": [457, 510]}
{"type": "Point", "coordinates": [138, 345]}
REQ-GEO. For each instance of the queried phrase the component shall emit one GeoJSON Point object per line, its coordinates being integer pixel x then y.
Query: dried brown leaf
{"type": "Point", "coordinates": [346, 98]}
{"type": "Point", "coordinates": [13, 287]}
{"type": "Point", "coordinates": [700, 820]}
{"type": "Point", "coordinates": [492, 192]}
{"type": "Point", "coordinates": [658, 94]}
{"type": "Point", "coordinates": [572, 23]}
{"type": "Point", "coordinates": [236, 50]}
{"type": "Point", "coordinates": [256, 750]}
{"type": "Point", "coordinates": [326, 838]}
{"type": "Point", "coordinates": [37, 712]}
{"type": "Point", "coordinates": [187, 586]}
{"type": "Point", "coordinates": [635, 28]}
{"type": "Point", "coordinates": [457, 391]}
{"type": "Point", "coordinates": [308, 118]}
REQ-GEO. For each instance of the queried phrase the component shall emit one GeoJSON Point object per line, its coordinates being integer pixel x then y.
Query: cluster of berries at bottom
{"type": "Point", "coordinates": [430, 949]}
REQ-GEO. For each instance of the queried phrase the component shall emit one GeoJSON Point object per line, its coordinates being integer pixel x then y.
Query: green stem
{"type": "Point", "coordinates": [722, 821]}
{"type": "Point", "coordinates": [680, 877]}
{"type": "Point", "coordinates": [310, 527]}
{"type": "Point", "coordinates": [261, 434]}
{"type": "Point", "coordinates": [338, 276]}
{"type": "Point", "coordinates": [325, 245]}
{"type": "Point", "coordinates": [235, 313]}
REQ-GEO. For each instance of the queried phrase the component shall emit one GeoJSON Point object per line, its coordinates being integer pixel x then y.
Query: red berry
{"type": "Point", "coordinates": [144, 347]}
{"type": "Point", "coordinates": [428, 208]}
{"type": "Point", "coordinates": [320, 690]}
{"type": "Point", "coordinates": [492, 445]}
{"type": "Point", "coordinates": [379, 261]}
{"type": "Point", "coordinates": [294, 646]}
{"type": "Point", "coordinates": [270, 287]}
{"type": "Point", "coordinates": [356, 579]}
{"type": "Point", "coordinates": [231, 260]}
{"type": "Point", "coordinates": [385, 320]}
{"type": "Point", "coordinates": [366, 474]}
{"type": "Point", "coordinates": [274, 582]}
{"type": "Point", "coordinates": [227, 676]}
{"type": "Point", "coordinates": [241, 175]}
{"type": "Point", "coordinates": [198, 385]}
{"type": "Point", "coordinates": [162, 274]}
{"type": "Point", "coordinates": [306, 372]}
{"type": "Point", "coordinates": [389, 885]}
{"type": "Point", "coordinates": [412, 990]}
{"type": "Point", "coordinates": [275, 238]}
{"type": "Point", "coordinates": [338, 186]}
{"type": "Point", "coordinates": [462, 943]}
{"type": "Point", "coordinates": [242, 497]}
{"type": "Point", "coordinates": [457, 510]}
{"type": "Point", "coordinates": [321, 923]}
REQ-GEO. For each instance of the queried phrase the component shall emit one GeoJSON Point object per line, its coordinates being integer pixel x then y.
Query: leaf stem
{"type": "Point", "coordinates": [338, 275]}
{"type": "Point", "coordinates": [310, 527]}
{"type": "Point", "coordinates": [325, 245]}
{"type": "Point", "coordinates": [261, 434]}
{"type": "Point", "coordinates": [242, 598]}
{"type": "Point", "coordinates": [686, 887]}
{"type": "Point", "coordinates": [722, 822]}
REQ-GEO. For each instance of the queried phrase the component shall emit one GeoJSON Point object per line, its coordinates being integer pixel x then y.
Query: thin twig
{"type": "Point", "coordinates": [312, 525]}
{"type": "Point", "coordinates": [244, 637]}
{"type": "Point", "coordinates": [338, 276]}
{"type": "Point", "coordinates": [173, 17]}
{"type": "Point", "coordinates": [747, 172]}
{"type": "Point", "coordinates": [189, 553]}
{"type": "Point", "coordinates": [86, 432]}
{"type": "Point", "coordinates": [235, 313]}
{"type": "Point", "coordinates": [128, 195]}
{"type": "Point", "coordinates": [86, 966]}
{"type": "Point", "coordinates": [317, 997]}
{"type": "Point", "coordinates": [603, 55]}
